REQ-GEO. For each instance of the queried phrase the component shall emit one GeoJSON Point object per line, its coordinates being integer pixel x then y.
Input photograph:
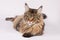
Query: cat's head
{"type": "Point", "coordinates": [30, 13]}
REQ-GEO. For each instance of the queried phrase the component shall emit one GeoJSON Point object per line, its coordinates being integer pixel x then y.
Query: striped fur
{"type": "Point", "coordinates": [31, 23]}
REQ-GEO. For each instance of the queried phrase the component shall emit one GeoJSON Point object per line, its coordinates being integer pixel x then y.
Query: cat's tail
{"type": "Point", "coordinates": [9, 19]}
{"type": "Point", "coordinates": [44, 16]}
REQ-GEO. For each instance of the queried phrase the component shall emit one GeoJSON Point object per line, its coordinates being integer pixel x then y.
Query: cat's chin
{"type": "Point", "coordinates": [29, 23]}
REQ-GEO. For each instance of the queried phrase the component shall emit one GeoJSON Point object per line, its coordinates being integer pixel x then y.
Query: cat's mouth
{"type": "Point", "coordinates": [30, 23]}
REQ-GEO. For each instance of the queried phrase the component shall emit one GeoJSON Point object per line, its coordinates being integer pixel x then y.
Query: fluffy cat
{"type": "Point", "coordinates": [31, 23]}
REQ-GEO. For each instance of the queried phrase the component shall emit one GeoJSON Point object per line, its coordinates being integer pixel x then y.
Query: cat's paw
{"type": "Point", "coordinates": [27, 35]}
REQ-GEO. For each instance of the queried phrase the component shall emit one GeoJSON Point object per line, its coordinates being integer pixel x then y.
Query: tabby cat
{"type": "Point", "coordinates": [31, 23]}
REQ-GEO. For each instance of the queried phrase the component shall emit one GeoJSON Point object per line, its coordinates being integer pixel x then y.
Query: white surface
{"type": "Point", "coordinates": [9, 8]}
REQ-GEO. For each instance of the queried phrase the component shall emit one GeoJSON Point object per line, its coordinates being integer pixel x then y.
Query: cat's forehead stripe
{"type": "Point", "coordinates": [33, 10]}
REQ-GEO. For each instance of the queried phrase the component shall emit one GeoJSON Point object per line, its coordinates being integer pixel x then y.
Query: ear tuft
{"type": "Point", "coordinates": [26, 7]}
{"type": "Point", "coordinates": [40, 9]}
{"type": "Point", "coordinates": [25, 3]}
{"type": "Point", "coordinates": [41, 6]}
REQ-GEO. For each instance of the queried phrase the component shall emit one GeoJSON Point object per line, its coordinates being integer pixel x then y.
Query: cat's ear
{"type": "Point", "coordinates": [40, 9]}
{"type": "Point", "coordinates": [26, 7]}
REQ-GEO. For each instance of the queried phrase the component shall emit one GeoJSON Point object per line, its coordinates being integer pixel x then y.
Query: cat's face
{"type": "Point", "coordinates": [30, 13]}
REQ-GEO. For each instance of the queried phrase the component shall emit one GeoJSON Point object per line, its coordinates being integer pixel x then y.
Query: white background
{"type": "Point", "coordinates": [11, 8]}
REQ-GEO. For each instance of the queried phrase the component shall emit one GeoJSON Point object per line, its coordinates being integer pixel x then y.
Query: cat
{"type": "Point", "coordinates": [31, 23]}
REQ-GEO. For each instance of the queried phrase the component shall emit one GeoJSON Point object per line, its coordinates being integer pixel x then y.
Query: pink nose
{"type": "Point", "coordinates": [31, 18]}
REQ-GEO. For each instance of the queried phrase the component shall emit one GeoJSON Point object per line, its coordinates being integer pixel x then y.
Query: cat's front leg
{"type": "Point", "coordinates": [28, 32]}
{"type": "Point", "coordinates": [38, 29]}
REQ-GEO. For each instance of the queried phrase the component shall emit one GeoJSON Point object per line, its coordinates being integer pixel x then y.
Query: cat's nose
{"type": "Point", "coordinates": [31, 18]}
